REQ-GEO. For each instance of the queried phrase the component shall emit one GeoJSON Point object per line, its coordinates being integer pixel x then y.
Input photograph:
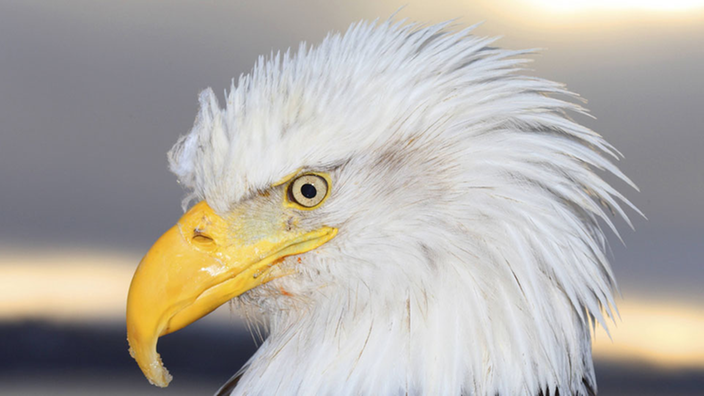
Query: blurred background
{"type": "Point", "coordinates": [94, 93]}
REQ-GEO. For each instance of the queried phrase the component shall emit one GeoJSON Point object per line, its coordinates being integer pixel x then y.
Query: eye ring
{"type": "Point", "coordinates": [308, 191]}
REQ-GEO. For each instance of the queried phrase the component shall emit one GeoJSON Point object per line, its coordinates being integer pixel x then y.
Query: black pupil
{"type": "Point", "coordinates": [308, 190]}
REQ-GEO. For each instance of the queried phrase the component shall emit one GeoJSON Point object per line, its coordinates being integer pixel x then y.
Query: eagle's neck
{"type": "Point", "coordinates": [454, 336]}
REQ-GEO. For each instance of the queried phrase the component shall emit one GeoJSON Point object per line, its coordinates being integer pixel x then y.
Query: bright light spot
{"type": "Point", "coordinates": [92, 287]}
{"type": "Point", "coordinates": [67, 286]}
{"type": "Point", "coordinates": [64, 286]}
{"type": "Point", "coordinates": [588, 5]}
{"type": "Point", "coordinates": [667, 335]}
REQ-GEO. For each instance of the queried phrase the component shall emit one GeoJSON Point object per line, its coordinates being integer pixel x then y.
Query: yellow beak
{"type": "Point", "coordinates": [198, 265]}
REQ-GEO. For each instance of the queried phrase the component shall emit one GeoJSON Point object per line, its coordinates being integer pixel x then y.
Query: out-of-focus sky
{"type": "Point", "coordinates": [94, 93]}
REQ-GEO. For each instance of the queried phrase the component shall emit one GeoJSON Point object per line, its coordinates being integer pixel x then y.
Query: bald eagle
{"type": "Point", "coordinates": [406, 212]}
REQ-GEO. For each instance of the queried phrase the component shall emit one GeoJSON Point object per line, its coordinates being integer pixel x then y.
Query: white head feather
{"type": "Point", "coordinates": [469, 259]}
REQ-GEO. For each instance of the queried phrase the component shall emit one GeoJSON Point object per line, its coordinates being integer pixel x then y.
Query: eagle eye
{"type": "Point", "coordinates": [308, 191]}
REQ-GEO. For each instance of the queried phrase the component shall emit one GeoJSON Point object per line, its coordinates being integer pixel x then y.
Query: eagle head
{"type": "Point", "coordinates": [403, 209]}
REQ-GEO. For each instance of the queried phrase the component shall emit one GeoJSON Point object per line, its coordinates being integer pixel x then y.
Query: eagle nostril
{"type": "Point", "coordinates": [202, 238]}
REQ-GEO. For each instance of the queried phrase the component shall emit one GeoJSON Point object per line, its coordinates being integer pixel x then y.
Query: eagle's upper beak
{"type": "Point", "coordinates": [199, 264]}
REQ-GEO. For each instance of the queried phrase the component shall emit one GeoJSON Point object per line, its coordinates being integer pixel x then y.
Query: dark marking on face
{"type": "Point", "coordinates": [430, 256]}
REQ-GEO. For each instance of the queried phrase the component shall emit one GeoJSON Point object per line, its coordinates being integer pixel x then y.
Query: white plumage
{"type": "Point", "coordinates": [469, 259]}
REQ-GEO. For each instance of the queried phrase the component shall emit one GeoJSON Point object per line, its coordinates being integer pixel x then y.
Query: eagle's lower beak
{"type": "Point", "coordinates": [198, 265]}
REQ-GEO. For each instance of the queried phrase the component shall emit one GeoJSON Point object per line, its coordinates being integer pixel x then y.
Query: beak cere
{"type": "Point", "coordinates": [195, 267]}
